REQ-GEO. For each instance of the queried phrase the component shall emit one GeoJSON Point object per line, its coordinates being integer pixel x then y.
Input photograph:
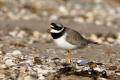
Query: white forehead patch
{"type": "Point", "coordinates": [59, 25]}
{"type": "Point", "coordinates": [51, 25]}
{"type": "Point", "coordinates": [56, 31]}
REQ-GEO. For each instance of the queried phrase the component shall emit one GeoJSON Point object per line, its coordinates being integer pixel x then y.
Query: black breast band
{"type": "Point", "coordinates": [57, 35]}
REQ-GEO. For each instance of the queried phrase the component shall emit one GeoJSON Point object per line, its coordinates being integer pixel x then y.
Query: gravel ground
{"type": "Point", "coordinates": [20, 39]}
{"type": "Point", "coordinates": [27, 51]}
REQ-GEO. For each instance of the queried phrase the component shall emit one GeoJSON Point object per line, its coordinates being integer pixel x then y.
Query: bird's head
{"type": "Point", "coordinates": [55, 28]}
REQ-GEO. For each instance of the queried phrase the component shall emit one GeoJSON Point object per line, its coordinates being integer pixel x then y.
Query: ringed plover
{"type": "Point", "coordinates": [67, 38]}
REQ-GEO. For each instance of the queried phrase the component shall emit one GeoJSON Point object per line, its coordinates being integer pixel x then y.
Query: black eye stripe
{"type": "Point", "coordinates": [55, 26]}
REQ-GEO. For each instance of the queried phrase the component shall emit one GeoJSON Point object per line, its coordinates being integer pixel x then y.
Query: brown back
{"type": "Point", "coordinates": [75, 38]}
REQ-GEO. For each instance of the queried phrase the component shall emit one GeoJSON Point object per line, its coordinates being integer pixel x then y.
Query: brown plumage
{"type": "Point", "coordinates": [76, 38]}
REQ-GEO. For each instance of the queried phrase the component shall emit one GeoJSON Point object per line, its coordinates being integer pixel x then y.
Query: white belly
{"type": "Point", "coordinates": [62, 43]}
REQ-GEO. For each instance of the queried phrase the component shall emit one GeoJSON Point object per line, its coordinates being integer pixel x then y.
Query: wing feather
{"type": "Point", "coordinates": [75, 38]}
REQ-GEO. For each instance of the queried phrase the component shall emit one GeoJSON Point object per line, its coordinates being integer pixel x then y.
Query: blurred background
{"type": "Point", "coordinates": [86, 16]}
{"type": "Point", "coordinates": [99, 12]}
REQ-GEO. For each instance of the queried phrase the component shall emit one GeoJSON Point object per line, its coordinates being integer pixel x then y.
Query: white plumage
{"type": "Point", "coordinates": [56, 31]}
{"type": "Point", "coordinates": [62, 43]}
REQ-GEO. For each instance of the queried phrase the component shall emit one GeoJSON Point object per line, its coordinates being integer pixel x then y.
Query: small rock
{"type": "Point", "coordinates": [10, 62]}
{"type": "Point", "coordinates": [29, 61]}
{"type": "Point", "coordinates": [79, 19]}
{"type": "Point", "coordinates": [98, 22]}
{"type": "Point", "coordinates": [118, 35]}
{"type": "Point", "coordinates": [0, 52]}
{"type": "Point", "coordinates": [110, 39]}
{"type": "Point", "coordinates": [28, 78]}
{"type": "Point", "coordinates": [13, 33]}
{"type": "Point", "coordinates": [81, 63]}
{"type": "Point", "coordinates": [80, 68]}
{"type": "Point", "coordinates": [99, 69]}
{"type": "Point", "coordinates": [93, 37]}
{"type": "Point", "coordinates": [54, 17]}
{"type": "Point", "coordinates": [44, 36]}
{"type": "Point", "coordinates": [37, 60]}
{"type": "Point", "coordinates": [21, 34]}
{"type": "Point", "coordinates": [36, 34]}
{"type": "Point", "coordinates": [3, 66]}
{"type": "Point", "coordinates": [93, 65]}
{"type": "Point", "coordinates": [41, 78]}
{"type": "Point", "coordinates": [17, 44]}
{"type": "Point", "coordinates": [22, 69]}
{"type": "Point", "coordinates": [117, 72]}
{"type": "Point", "coordinates": [16, 53]}
{"type": "Point", "coordinates": [63, 10]}
{"type": "Point", "coordinates": [86, 68]}
{"type": "Point", "coordinates": [2, 76]}
{"type": "Point", "coordinates": [113, 67]}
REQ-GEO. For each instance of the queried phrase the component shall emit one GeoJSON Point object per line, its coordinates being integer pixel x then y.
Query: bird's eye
{"type": "Point", "coordinates": [57, 28]}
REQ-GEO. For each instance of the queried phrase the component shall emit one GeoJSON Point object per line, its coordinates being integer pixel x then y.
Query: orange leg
{"type": "Point", "coordinates": [68, 60]}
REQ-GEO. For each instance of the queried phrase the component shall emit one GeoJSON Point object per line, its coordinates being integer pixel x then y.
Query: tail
{"type": "Point", "coordinates": [92, 43]}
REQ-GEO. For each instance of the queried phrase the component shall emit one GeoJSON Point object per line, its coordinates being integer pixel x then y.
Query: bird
{"type": "Point", "coordinates": [67, 38]}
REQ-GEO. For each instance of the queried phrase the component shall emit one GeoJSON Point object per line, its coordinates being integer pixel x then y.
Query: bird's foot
{"type": "Point", "coordinates": [68, 60]}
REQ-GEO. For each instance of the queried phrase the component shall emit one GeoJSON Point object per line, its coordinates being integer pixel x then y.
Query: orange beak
{"type": "Point", "coordinates": [49, 28]}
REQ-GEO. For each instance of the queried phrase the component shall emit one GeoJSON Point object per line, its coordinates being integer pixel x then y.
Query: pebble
{"type": "Point", "coordinates": [79, 68]}
{"type": "Point", "coordinates": [111, 39]}
{"type": "Point", "coordinates": [29, 61]}
{"type": "Point", "coordinates": [54, 17]}
{"type": "Point", "coordinates": [28, 78]}
{"type": "Point", "coordinates": [118, 36]}
{"type": "Point", "coordinates": [93, 37]}
{"type": "Point", "coordinates": [102, 79]}
{"type": "Point", "coordinates": [79, 19]}
{"type": "Point", "coordinates": [3, 66]}
{"type": "Point", "coordinates": [98, 22]}
{"type": "Point", "coordinates": [100, 69]}
{"type": "Point", "coordinates": [62, 9]}
{"type": "Point", "coordinates": [10, 62]}
{"type": "Point", "coordinates": [41, 78]}
{"type": "Point", "coordinates": [22, 69]}
{"type": "Point", "coordinates": [117, 72]}
{"type": "Point", "coordinates": [36, 34]}
{"type": "Point", "coordinates": [2, 76]}
{"type": "Point", "coordinates": [81, 63]}
{"type": "Point", "coordinates": [1, 52]}
{"type": "Point", "coordinates": [41, 72]}
{"type": "Point", "coordinates": [37, 60]}
{"type": "Point", "coordinates": [113, 67]}
{"type": "Point", "coordinates": [86, 68]}
{"type": "Point", "coordinates": [117, 41]}
{"type": "Point", "coordinates": [21, 34]}
{"type": "Point", "coordinates": [13, 33]}
{"type": "Point", "coordinates": [14, 53]}
{"type": "Point", "coordinates": [44, 35]}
